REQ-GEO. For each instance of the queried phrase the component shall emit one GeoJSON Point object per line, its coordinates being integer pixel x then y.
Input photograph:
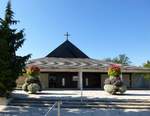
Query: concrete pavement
{"type": "Point", "coordinates": [131, 95]}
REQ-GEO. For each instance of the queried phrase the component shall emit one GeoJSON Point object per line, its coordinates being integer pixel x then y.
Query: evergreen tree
{"type": "Point", "coordinates": [11, 65]}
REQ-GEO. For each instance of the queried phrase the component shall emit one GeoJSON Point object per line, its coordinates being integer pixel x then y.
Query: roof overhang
{"type": "Point", "coordinates": [80, 64]}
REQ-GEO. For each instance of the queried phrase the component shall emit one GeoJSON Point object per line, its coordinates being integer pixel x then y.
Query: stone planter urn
{"type": "Point", "coordinates": [114, 84]}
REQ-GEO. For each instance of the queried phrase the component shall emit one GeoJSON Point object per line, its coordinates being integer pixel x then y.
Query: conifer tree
{"type": "Point", "coordinates": [11, 65]}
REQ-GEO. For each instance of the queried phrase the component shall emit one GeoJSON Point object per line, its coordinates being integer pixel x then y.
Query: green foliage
{"type": "Point", "coordinates": [114, 84]}
{"type": "Point", "coordinates": [147, 65]}
{"type": "Point", "coordinates": [31, 79]}
{"type": "Point", "coordinates": [122, 89]}
{"type": "Point", "coordinates": [112, 89]}
{"type": "Point", "coordinates": [114, 71]}
{"type": "Point", "coordinates": [25, 87]}
{"type": "Point", "coordinates": [32, 82]}
{"type": "Point", "coordinates": [147, 76]}
{"type": "Point", "coordinates": [33, 88]}
{"type": "Point", "coordinates": [33, 71]}
{"type": "Point", "coordinates": [11, 65]}
{"type": "Point", "coordinates": [120, 59]}
{"type": "Point", "coordinates": [2, 89]}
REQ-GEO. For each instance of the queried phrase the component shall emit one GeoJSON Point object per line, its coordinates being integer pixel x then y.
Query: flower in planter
{"type": "Point", "coordinates": [33, 70]}
{"type": "Point", "coordinates": [32, 83]}
{"type": "Point", "coordinates": [114, 71]}
{"type": "Point", "coordinates": [114, 84]}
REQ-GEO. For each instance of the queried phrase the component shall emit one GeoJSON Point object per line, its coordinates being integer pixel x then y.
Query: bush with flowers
{"type": "Point", "coordinates": [114, 71]}
{"type": "Point", "coordinates": [32, 83]}
{"type": "Point", "coordinates": [114, 84]}
{"type": "Point", "coordinates": [33, 71]}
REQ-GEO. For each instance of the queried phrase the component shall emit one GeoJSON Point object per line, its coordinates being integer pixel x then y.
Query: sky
{"type": "Point", "coordinates": [100, 28]}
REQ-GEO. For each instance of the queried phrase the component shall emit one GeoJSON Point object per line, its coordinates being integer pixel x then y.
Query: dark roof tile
{"type": "Point", "coordinates": [67, 50]}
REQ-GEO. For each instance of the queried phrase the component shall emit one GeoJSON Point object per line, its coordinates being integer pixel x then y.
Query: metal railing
{"type": "Point", "coordinates": [58, 103]}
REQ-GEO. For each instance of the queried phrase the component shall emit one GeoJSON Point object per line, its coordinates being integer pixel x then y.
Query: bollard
{"type": "Point", "coordinates": [59, 103]}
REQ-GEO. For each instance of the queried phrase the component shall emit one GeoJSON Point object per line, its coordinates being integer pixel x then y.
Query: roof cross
{"type": "Point", "coordinates": [67, 35]}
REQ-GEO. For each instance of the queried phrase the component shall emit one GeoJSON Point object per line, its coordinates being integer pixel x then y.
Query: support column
{"type": "Point", "coordinates": [80, 84]}
{"type": "Point", "coordinates": [130, 78]}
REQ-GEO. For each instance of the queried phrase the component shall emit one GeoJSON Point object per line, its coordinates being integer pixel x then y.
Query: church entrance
{"type": "Point", "coordinates": [91, 80]}
{"type": "Point", "coordinates": [62, 80]}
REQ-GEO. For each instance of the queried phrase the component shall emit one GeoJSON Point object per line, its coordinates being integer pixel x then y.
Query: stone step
{"type": "Point", "coordinates": [84, 100]}
{"type": "Point", "coordinates": [107, 106]}
{"type": "Point", "coordinates": [112, 106]}
{"type": "Point", "coordinates": [84, 104]}
{"type": "Point", "coordinates": [81, 103]}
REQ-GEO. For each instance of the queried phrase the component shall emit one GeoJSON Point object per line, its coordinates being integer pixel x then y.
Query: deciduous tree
{"type": "Point", "coordinates": [120, 59]}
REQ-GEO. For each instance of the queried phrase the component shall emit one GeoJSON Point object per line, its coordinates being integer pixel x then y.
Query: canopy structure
{"type": "Point", "coordinates": [50, 64]}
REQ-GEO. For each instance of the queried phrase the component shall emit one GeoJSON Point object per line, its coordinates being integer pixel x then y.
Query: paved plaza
{"type": "Point", "coordinates": [86, 94]}
{"type": "Point", "coordinates": [143, 95]}
{"type": "Point", "coordinates": [21, 111]}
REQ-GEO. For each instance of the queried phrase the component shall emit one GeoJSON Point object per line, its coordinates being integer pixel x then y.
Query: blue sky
{"type": "Point", "coordinates": [100, 28]}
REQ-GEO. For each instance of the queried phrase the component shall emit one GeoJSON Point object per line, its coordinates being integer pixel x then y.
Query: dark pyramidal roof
{"type": "Point", "coordinates": [67, 50]}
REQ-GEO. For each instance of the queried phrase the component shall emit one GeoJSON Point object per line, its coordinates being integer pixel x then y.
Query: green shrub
{"type": "Point", "coordinates": [31, 79]}
{"type": "Point", "coordinates": [32, 82]}
{"type": "Point", "coordinates": [33, 71]}
{"type": "Point", "coordinates": [33, 88]}
{"type": "Point", "coordinates": [114, 71]}
{"type": "Point", "coordinates": [110, 88]}
{"type": "Point", "coordinates": [114, 83]}
{"type": "Point", "coordinates": [25, 87]}
{"type": "Point", "coordinates": [2, 89]}
{"type": "Point", "coordinates": [122, 89]}
{"type": "Point", "coordinates": [118, 83]}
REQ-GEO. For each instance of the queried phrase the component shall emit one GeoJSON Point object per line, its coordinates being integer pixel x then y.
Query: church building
{"type": "Point", "coordinates": [67, 67]}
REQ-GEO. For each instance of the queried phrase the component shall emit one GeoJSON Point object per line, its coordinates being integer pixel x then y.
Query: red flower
{"type": "Point", "coordinates": [114, 70]}
{"type": "Point", "coordinates": [33, 70]}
